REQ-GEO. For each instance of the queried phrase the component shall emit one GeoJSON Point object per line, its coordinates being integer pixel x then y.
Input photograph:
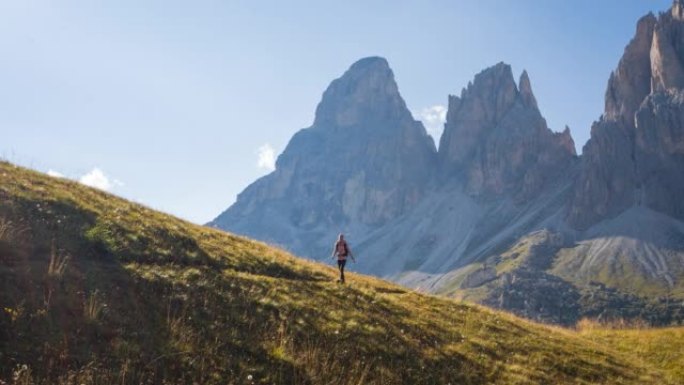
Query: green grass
{"type": "Point", "coordinates": [621, 274]}
{"type": "Point", "coordinates": [98, 290]}
{"type": "Point", "coordinates": [662, 348]}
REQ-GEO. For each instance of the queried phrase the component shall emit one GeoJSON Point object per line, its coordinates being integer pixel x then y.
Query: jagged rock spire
{"type": "Point", "coordinates": [481, 105]}
{"type": "Point", "coordinates": [496, 140]}
{"type": "Point", "coordinates": [631, 81]}
{"type": "Point", "coordinates": [678, 9]}
{"type": "Point", "coordinates": [525, 89]}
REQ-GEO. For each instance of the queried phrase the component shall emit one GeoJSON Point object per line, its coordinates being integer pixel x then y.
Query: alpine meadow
{"type": "Point", "coordinates": [175, 209]}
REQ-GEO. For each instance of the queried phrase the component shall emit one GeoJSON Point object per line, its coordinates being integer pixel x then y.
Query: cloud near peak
{"type": "Point", "coordinates": [266, 157]}
{"type": "Point", "coordinates": [433, 119]}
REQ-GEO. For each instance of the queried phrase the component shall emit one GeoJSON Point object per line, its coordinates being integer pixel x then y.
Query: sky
{"type": "Point", "coordinates": [180, 105]}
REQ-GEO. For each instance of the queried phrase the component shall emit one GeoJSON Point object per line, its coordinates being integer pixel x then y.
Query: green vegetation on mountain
{"type": "Point", "coordinates": [98, 290]}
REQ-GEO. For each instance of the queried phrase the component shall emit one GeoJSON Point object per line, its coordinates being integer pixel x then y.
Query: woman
{"type": "Point", "coordinates": [341, 250]}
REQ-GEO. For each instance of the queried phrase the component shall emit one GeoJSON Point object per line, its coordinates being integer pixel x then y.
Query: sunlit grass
{"type": "Point", "coordinates": [662, 348]}
{"type": "Point", "coordinates": [149, 298]}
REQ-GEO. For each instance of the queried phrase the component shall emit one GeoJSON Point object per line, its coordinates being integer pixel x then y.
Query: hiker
{"type": "Point", "coordinates": [341, 250]}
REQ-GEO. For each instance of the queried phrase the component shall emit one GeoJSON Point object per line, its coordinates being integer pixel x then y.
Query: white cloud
{"type": "Point", "coordinates": [266, 157]}
{"type": "Point", "coordinates": [55, 174]}
{"type": "Point", "coordinates": [96, 178]}
{"type": "Point", "coordinates": [433, 119]}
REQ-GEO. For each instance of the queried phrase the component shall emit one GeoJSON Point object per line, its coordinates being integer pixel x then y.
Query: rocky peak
{"type": "Point", "coordinates": [365, 93]}
{"type": "Point", "coordinates": [631, 81]}
{"type": "Point", "coordinates": [364, 162]}
{"type": "Point", "coordinates": [495, 139]}
{"type": "Point", "coordinates": [476, 112]}
{"type": "Point", "coordinates": [634, 155]}
{"type": "Point", "coordinates": [678, 9]}
{"type": "Point", "coordinates": [667, 51]}
{"type": "Point", "coordinates": [525, 89]}
{"type": "Point", "coordinates": [566, 141]}
{"type": "Point", "coordinates": [495, 88]}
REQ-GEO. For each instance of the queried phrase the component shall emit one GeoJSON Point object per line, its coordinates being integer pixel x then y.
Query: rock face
{"type": "Point", "coordinates": [363, 162]}
{"type": "Point", "coordinates": [634, 156]}
{"type": "Point", "coordinates": [630, 83]}
{"type": "Point", "coordinates": [496, 139]}
{"type": "Point", "coordinates": [505, 213]}
{"type": "Point", "coordinates": [627, 201]}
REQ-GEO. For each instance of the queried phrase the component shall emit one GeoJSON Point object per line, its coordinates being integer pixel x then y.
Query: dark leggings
{"type": "Point", "coordinates": [340, 265]}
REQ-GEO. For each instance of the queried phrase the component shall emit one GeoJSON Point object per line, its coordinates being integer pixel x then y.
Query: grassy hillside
{"type": "Point", "coordinates": [662, 348]}
{"type": "Point", "coordinates": [98, 290]}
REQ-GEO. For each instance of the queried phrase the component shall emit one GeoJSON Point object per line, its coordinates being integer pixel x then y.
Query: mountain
{"type": "Point", "coordinates": [497, 141]}
{"type": "Point", "coordinates": [619, 251]}
{"type": "Point", "coordinates": [364, 162]}
{"type": "Point", "coordinates": [627, 199]}
{"type": "Point", "coordinates": [466, 201]}
{"type": "Point", "coordinates": [99, 290]}
{"type": "Point", "coordinates": [626, 145]}
{"type": "Point", "coordinates": [504, 213]}
{"type": "Point", "coordinates": [500, 174]}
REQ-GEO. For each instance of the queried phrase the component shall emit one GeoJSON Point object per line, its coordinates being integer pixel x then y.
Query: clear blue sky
{"type": "Point", "coordinates": [172, 100]}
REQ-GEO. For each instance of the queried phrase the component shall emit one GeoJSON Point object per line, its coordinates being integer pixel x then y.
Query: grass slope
{"type": "Point", "coordinates": [98, 290]}
{"type": "Point", "coordinates": [662, 348]}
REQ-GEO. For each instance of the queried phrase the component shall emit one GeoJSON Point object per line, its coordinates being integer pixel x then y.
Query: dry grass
{"type": "Point", "coordinates": [589, 324]}
{"type": "Point", "coordinates": [188, 304]}
{"type": "Point", "coordinates": [661, 348]}
{"type": "Point", "coordinates": [5, 228]}
{"type": "Point", "coordinates": [58, 264]}
{"type": "Point", "coordinates": [93, 307]}
{"type": "Point", "coordinates": [10, 231]}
